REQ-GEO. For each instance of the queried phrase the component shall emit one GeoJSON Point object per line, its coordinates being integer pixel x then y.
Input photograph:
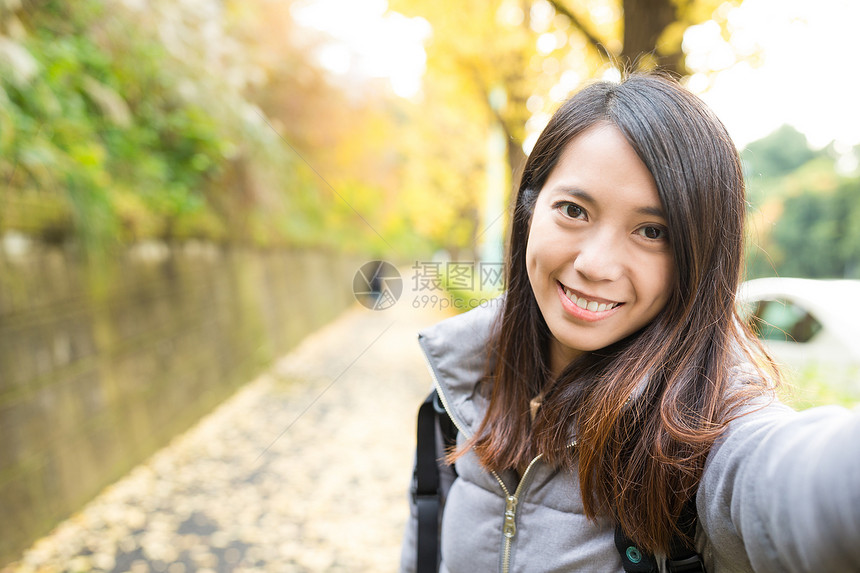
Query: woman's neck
{"type": "Point", "coordinates": [560, 356]}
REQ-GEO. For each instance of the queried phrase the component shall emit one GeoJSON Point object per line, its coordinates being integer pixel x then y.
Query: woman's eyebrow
{"type": "Point", "coordinates": [654, 211]}
{"type": "Point", "coordinates": [578, 193]}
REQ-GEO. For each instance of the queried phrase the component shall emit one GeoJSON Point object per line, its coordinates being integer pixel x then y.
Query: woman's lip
{"type": "Point", "coordinates": [582, 313]}
{"type": "Point", "coordinates": [587, 297]}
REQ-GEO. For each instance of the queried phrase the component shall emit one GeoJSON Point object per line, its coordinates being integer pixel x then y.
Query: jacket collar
{"type": "Point", "coordinates": [457, 351]}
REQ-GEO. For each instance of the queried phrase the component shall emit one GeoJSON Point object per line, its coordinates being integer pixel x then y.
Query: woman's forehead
{"type": "Point", "coordinates": [600, 165]}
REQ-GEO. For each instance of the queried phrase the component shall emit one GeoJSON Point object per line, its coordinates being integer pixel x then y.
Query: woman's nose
{"type": "Point", "coordinates": [600, 257]}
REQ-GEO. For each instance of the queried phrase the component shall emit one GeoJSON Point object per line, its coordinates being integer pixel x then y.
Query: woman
{"type": "Point", "coordinates": [620, 386]}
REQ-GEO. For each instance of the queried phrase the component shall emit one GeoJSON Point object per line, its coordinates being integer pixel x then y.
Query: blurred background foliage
{"type": "Point", "coordinates": [804, 208]}
{"type": "Point", "coordinates": [123, 121]}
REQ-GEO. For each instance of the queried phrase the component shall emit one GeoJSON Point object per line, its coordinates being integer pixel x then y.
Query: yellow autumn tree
{"type": "Point", "coordinates": [509, 63]}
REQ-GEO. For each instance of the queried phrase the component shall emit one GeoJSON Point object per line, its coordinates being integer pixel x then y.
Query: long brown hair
{"type": "Point", "coordinates": [646, 410]}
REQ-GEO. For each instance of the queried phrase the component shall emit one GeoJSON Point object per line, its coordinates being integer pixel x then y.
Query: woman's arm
{"type": "Point", "coordinates": [781, 491]}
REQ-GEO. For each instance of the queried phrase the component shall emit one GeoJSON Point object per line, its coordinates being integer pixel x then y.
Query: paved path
{"type": "Point", "coordinates": [304, 469]}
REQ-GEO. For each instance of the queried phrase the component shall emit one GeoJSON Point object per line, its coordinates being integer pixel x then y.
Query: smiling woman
{"type": "Point", "coordinates": [616, 413]}
{"type": "Point", "coordinates": [617, 164]}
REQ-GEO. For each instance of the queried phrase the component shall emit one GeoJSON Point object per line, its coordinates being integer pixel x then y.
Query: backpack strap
{"type": "Point", "coordinates": [446, 424]}
{"type": "Point", "coordinates": [427, 493]}
{"type": "Point", "coordinates": [681, 559]}
{"type": "Point", "coordinates": [634, 559]}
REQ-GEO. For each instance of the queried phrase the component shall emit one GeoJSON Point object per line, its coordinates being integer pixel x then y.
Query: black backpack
{"type": "Point", "coordinates": [427, 495]}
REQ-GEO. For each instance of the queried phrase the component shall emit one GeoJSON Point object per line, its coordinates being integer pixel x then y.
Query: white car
{"type": "Point", "coordinates": [811, 326]}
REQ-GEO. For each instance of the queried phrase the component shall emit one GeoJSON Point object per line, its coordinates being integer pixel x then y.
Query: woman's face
{"type": "Point", "coordinates": [598, 255]}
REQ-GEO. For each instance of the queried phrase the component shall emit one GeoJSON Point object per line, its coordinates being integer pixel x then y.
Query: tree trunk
{"type": "Point", "coordinates": [516, 161]}
{"type": "Point", "coordinates": [644, 22]}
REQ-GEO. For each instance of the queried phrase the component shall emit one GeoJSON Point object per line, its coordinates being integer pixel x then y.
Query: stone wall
{"type": "Point", "coordinates": [101, 364]}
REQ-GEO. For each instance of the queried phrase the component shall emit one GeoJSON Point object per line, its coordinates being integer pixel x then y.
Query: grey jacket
{"type": "Point", "coordinates": [780, 491]}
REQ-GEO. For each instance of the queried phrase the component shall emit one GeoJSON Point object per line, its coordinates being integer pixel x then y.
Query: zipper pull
{"type": "Point", "coordinates": [510, 528]}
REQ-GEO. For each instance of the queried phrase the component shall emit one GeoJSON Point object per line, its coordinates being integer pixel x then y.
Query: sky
{"type": "Point", "coordinates": [369, 41]}
{"type": "Point", "coordinates": [806, 76]}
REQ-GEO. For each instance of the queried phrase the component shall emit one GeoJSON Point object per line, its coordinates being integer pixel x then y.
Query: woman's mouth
{"type": "Point", "coordinates": [589, 304]}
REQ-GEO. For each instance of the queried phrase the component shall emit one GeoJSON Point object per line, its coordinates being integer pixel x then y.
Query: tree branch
{"type": "Point", "coordinates": [578, 23]}
{"type": "Point", "coordinates": [485, 93]}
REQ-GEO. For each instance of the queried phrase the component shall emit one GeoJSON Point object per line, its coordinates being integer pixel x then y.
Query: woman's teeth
{"type": "Point", "coordinates": [591, 305]}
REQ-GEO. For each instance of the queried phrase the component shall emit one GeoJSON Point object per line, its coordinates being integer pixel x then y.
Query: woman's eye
{"type": "Point", "coordinates": [653, 233]}
{"type": "Point", "coordinates": [572, 210]}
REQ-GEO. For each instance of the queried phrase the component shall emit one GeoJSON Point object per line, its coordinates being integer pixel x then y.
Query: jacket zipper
{"type": "Point", "coordinates": [509, 529]}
